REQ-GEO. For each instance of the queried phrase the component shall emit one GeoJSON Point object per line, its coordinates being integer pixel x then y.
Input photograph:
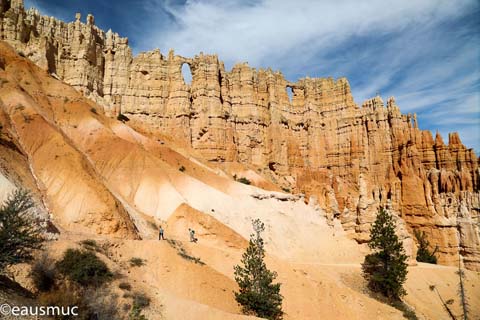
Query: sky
{"type": "Point", "coordinates": [425, 53]}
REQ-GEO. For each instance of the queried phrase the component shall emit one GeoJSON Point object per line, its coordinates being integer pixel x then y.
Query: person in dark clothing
{"type": "Point", "coordinates": [192, 235]}
{"type": "Point", "coordinates": [160, 234]}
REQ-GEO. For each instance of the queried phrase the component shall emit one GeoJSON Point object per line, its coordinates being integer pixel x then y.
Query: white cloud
{"type": "Point", "coordinates": [271, 29]}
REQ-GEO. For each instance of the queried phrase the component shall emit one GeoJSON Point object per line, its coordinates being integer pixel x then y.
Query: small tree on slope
{"type": "Point", "coordinates": [19, 234]}
{"type": "Point", "coordinates": [258, 294]}
{"type": "Point", "coordinates": [424, 254]}
{"type": "Point", "coordinates": [386, 268]}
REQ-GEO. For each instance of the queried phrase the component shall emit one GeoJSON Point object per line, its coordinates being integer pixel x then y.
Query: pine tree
{"type": "Point", "coordinates": [424, 254]}
{"type": "Point", "coordinates": [386, 268]}
{"type": "Point", "coordinates": [258, 294]}
{"type": "Point", "coordinates": [19, 234]}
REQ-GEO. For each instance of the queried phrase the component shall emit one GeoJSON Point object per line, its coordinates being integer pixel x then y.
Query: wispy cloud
{"type": "Point", "coordinates": [264, 31]}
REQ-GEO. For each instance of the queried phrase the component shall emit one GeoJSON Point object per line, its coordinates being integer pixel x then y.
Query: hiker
{"type": "Point", "coordinates": [160, 234]}
{"type": "Point", "coordinates": [192, 235]}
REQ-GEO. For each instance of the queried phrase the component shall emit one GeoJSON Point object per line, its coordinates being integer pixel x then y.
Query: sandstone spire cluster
{"type": "Point", "coordinates": [350, 160]}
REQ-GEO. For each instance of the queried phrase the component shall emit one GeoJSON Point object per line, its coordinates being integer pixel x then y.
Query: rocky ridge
{"type": "Point", "coordinates": [347, 159]}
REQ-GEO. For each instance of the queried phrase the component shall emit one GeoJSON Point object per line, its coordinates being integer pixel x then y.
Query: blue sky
{"type": "Point", "coordinates": [426, 53]}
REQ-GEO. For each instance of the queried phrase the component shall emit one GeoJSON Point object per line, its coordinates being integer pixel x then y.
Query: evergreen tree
{"type": "Point", "coordinates": [424, 254]}
{"type": "Point", "coordinates": [19, 234]}
{"type": "Point", "coordinates": [386, 268]}
{"type": "Point", "coordinates": [258, 294]}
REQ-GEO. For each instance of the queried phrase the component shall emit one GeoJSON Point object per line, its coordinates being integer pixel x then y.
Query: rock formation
{"type": "Point", "coordinates": [349, 159]}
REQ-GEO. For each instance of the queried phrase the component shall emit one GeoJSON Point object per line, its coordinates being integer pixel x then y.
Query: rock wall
{"type": "Point", "coordinates": [349, 159]}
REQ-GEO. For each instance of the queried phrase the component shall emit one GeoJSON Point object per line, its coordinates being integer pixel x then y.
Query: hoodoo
{"type": "Point", "coordinates": [349, 159]}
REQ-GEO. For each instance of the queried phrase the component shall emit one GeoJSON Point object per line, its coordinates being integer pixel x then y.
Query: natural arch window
{"type": "Point", "coordinates": [290, 94]}
{"type": "Point", "coordinates": [186, 73]}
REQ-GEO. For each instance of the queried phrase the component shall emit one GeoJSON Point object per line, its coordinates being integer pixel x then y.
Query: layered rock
{"type": "Point", "coordinates": [349, 159]}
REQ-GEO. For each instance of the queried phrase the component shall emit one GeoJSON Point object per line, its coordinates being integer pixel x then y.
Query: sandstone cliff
{"type": "Point", "coordinates": [348, 159]}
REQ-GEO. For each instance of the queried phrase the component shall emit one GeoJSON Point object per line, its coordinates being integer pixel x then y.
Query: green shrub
{"type": "Point", "coordinates": [183, 253]}
{"type": "Point", "coordinates": [182, 169]}
{"type": "Point", "coordinates": [122, 117]}
{"type": "Point", "coordinates": [93, 110]}
{"type": "Point", "coordinates": [89, 244]}
{"type": "Point", "coordinates": [244, 180]}
{"type": "Point", "coordinates": [43, 273]}
{"type": "Point", "coordinates": [424, 254]}
{"type": "Point", "coordinates": [92, 245]}
{"type": "Point", "coordinates": [136, 262]}
{"type": "Point", "coordinates": [136, 314]}
{"type": "Point", "coordinates": [125, 286]}
{"type": "Point", "coordinates": [84, 267]}
{"type": "Point", "coordinates": [386, 269]}
{"type": "Point", "coordinates": [140, 302]}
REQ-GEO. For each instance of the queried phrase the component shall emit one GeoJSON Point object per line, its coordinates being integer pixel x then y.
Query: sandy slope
{"type": "Point", "coordinates": [101, 179]}
{"type": "Point", "coordinates": [183, 289]}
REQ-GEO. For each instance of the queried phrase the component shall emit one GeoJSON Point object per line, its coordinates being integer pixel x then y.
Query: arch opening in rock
{"type": "Point", "coordinates": [186, 73]}
{"type": "Point", "coordinates": [290, 93]}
